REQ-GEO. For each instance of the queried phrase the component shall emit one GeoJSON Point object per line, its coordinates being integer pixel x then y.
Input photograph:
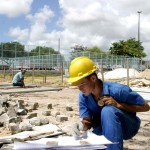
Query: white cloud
{"type": "Point", "coordinates": [102, 22]}
{"type": "Point", "coordinates": [128, 6]}
{"type": "Point", "coordinates": [93, 22]}
{"type": "Point", "coordinates": [38, 23]}
{"type": "Point", "coordinates": [20, 34]}
{"type": "Point", "coordinates": [13, 8]}
{"type": "Point", "coordinates": [90, 23]}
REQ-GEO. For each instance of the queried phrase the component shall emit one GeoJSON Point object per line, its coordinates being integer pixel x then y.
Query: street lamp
{"type": "Point", "coordinates": [139, 12]}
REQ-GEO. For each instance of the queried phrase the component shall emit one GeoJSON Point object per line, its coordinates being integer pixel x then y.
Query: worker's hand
{"type": "Point", "coordinates": [108, 100]}
{"type": "Point", "coordinates": [77, 130]}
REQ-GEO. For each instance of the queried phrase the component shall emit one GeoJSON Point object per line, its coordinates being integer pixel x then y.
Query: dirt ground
{"type": "Point", "coordinates": [68, 96]}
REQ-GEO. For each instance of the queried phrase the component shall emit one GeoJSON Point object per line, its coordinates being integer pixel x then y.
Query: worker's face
{"type": "Point", "coordinates": [87, 85]}
{"type": "Point", "coordinates": [24, 71]}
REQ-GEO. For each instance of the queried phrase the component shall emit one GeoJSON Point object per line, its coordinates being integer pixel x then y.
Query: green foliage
{"type": "Point", "coordinates": [131, 48]}
{"type": "Point", "coordinates": [79, 48]}
{"type": "Point", "coordinates": [12, 49]}
{"type": "Point", "coordinates": [43, 51]}
{"type": "Point", "coordinates": [93, 53]}
{"type": "Point", "coordinates": [15, 49]}
{"type": "Point", "coordinates": [94, 49]}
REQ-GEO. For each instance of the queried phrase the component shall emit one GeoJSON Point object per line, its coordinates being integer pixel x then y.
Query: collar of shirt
{"type": "Point", "coordinates": [105, 89]}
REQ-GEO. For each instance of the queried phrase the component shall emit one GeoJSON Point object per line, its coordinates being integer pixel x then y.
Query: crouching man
{"type": "Point", "coordinates": [18, 79]}
{"type": "Point", "coordinates": [108, 108]}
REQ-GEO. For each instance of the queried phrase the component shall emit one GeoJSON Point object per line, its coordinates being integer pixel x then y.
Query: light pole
{"type": "Point", "coordinates": [139, 12]}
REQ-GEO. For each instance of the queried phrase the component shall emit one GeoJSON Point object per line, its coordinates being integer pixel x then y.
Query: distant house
{"type": "Point", "coordinates": [3, 65]}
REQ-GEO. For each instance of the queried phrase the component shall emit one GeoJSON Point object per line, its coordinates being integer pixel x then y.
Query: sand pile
{"type": "Point", "coordinates": [145, 74]}
{"type": "Point", "coordinates": [119, 73]}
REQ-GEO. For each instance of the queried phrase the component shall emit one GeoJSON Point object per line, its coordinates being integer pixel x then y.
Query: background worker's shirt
{"type": "Point", "coordinates": [18, 77]}
{"type": "Point", "coordinates": [88, 106]}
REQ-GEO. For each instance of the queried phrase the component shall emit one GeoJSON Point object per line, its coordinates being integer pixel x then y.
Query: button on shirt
{"type": "Point", "coordinates": [88, 106]}
{"type": "Point", "coordinates": [17, 78]}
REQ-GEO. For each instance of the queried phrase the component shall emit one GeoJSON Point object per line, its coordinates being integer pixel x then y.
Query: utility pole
{"type": "Point", "coordinates": [139, 12]}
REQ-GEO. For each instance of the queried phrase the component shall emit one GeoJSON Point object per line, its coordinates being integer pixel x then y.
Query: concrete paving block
{"type": "Point", "coordinates": [46, 113]}
{"type": "Point", "coordinates": [49, 106]}
{"type": "Point", "coordinates": [14, 128]}
{"type": "Point", "coordinates": [32, 115]}
{"type": "Point", "coordinates": [55, 113]}
{"type": "Point", "coordinates": [35, 121]}
{"type": "Point", "coordinates": [44, 121]}
{"type": "Point", "coordinates": [61, 118]}
{"type": "Point", "coordinates": [3, 118]}
{"type": "Point", "coordinates": [35, 106]}
{"type": "Point", "coordinates": [11, 112]}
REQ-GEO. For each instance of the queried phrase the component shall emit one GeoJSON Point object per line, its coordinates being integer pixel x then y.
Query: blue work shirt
{"type": "Point", "coordinates": [88, 106]}
{"type": "Point", "coordinates": [18, 77]}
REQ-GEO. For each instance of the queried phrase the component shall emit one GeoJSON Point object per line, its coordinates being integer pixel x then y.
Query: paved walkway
{"type": "Point", "coordinates": [144, 92]}
{"type": "Point", "coordinates": [141, 141]}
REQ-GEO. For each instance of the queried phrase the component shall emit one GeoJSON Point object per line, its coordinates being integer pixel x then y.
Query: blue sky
{"type": "Point", "coordinates": [75, 22]}
{"type": "Point", "coordinates": [20, 20]}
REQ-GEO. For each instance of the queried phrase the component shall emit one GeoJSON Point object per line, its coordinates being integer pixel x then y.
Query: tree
{"type": "Point", "coordinates": [79, 48]}
{"type": "Point", "coordinates": [39, 50]}
{"type": "Point", "coordinates": [94, 50]}
{"type": "Point", "coordinates": [131, 48]}
{"type": "Point", "coordinates": [12, 49]}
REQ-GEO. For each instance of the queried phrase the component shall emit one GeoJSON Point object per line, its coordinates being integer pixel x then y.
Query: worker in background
{"type": "Point", "coordinates": [18, 79]}
{"type": "Point", "coordinates": [107, 108]}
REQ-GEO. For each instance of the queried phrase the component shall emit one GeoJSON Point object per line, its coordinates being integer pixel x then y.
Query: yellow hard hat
{"type": "Point", "coordinates": [80, 68]}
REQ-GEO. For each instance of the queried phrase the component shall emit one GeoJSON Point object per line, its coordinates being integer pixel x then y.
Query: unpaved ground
{"type": "Point", "coordinates": [68, 96]}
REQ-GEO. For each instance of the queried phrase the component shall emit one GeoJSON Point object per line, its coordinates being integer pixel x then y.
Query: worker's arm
{"type": "Point", "coordinates": [133, 108]}
{"type": "Point", "coordinates": [79, 129]}
{"type": "Point", "coordinates": [23, 84]}
{"type": "Point", "coordinates": [22, 80]}
{"type": "Point", "coordinates": [87, 122]}
{"type": "Point", "coordinates": [108, 100]}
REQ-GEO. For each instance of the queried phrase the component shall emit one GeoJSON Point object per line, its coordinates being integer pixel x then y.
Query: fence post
{"type": "Point", "coordinates": [4, 71]}
{"type": "Point", "coordinates": [128, 71]}
{"type": "Point", "coordinates": [102, 71]}
{"type": "Point", "coordinates": [33, 74]}
{"type": "Point", "coordinates": [45, 75]}
{"type": "Point", "coordinates": [62, 68]}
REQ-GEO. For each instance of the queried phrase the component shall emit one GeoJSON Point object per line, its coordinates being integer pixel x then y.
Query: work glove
{"type": "Point", "coordinates": [79, 129]}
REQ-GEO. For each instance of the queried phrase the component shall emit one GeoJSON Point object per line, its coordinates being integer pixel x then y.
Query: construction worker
{"type": "Point", "coordinates": [107, 108]}
{"type": "Point", "coordinates": [18, 79]}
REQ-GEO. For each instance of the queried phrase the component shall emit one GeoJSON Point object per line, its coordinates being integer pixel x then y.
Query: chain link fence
{"type": "Point", "coordinates": [55, 61]}
{"type": "Point", "coordinates": [58, 62]}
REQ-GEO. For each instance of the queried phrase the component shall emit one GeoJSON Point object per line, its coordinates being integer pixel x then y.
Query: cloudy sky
{"type": "Point", "coordinates": [75, 22]}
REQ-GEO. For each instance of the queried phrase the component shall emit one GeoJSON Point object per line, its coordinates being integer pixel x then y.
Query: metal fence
{"type": "Point", "coordinates": [108, 61]}
{"type": "Point", "coordinates": [45, 66]}
{"type": "Point", "coordinates": [57, 61]}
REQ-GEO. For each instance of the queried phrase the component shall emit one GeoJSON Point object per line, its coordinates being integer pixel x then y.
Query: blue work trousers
{"type": "Point", "coordinates": [117, 125]}
{"type": "Point", "coordinates": [18, 84]}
